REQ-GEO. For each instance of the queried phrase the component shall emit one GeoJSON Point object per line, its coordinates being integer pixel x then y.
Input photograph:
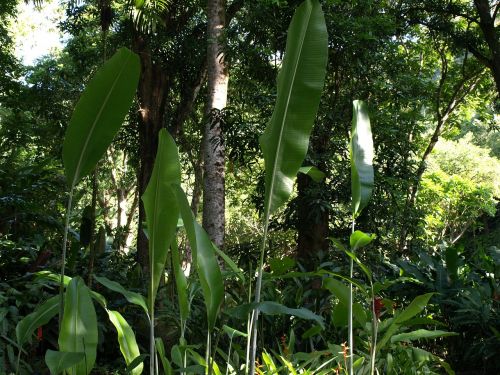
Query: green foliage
{"type": "Point", "coordinates": [99, 114]}
{"type": "Point", "coordinates": [40, 317]}
{"type": "Point", "coordinates": [300, 83]}
{"type": "Point", "coordinates": [361, 149]}
{"type": "Point", "coordinates": [57, 362]}
{"type": "Point", "coordinates": [79, 326]}
{"type": "Point", "coordinates": [460, 186]}
{"type": "Point", "coordinates": [161, 209]}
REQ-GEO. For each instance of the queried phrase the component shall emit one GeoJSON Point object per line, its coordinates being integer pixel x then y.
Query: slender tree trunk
{"type": "Point", "coordinates": [153, 88]}
{"type": "Point", "coordinates": [218, 77]}
{"type": "Point", "coordinates": [491, 36]}
{"type": "Point", "coordinates": [312, 229]}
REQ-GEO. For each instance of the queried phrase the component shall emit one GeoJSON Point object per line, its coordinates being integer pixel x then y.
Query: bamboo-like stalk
{"type": "Point", "coordinates": [63, 256]}
{"type": "Point", "coordinates": [349, 321]}
{"type": "Point", "coordinates": [252, 339]}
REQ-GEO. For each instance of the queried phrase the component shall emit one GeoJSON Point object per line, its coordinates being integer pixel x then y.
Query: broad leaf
{"type": "Point", "coordinates": [207, 267]}
{"type": "Point", "coordinates": [274, 308]}
{"type": "Point", "coordinates": [313, 172]}
{"type": "Point", "coordinates": [300, 82]}
{"type": "Point", "coordinates": [57, 362]}
{"type": "Point", "coordinates": [126, 339]}
{"type": "Point", "coordinates": [421, 334]}
{"type": "Point", "coordinates": [359, 239]}
{"type": "Point", "coordinates": [132, 297]}
{"type": "Point", "coordinates": [231, 332]}
{"type": "Point", "coordinates": [414, 308]}
{"type": "Point", "coordinates": [99, 114]}
{"type": "Point", "coordinates": [79, 326]}
{"type": "Point", "coordinates": [41, 316]}
{"type": "Point", "coordinates": [161, 208]}
{"type": "Point", "coordinates": [361, 157]}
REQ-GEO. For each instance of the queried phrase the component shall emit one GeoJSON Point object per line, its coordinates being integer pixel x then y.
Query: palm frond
{"type": "Point", "coordinates": [147, 14]}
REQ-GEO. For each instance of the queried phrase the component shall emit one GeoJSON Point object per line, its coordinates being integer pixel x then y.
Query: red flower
{"type": "Point", "coordinates": [39, 334]}
{"type": "Point", "coordinates": [377, 306]}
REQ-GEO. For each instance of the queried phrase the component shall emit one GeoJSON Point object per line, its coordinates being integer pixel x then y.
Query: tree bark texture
{"type": "Point", "coordinates": [312, 226]}
{"type": "Point", "coordinates": [152, 91]}
{"type": "Point", "coordinates": [487, 25]}
{"type": "Point", "coordinates": [213, 146]}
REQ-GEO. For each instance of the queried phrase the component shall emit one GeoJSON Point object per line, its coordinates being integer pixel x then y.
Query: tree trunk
{"type": "Point", "coordinates": [213, 147]}
{"type": "Point", "coordinates": [152, 91]}
{"type": "Point", "coordinates": [487, 25]}
{"type": "Point", "coordinates": [312, 229]}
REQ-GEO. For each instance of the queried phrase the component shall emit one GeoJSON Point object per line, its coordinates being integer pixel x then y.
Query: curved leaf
{"type": "Point", "coordinates": [208, 269]}
{"type": "Point", "coordinates": [415, 307]}
{"type": "Point", "coordinates": [312, 172]}
{"type": "Point", "coordinates": [421, 334]}
{"type": "Point", "coordinates": [274, 308]}
{"type": "Point", "coordinates": [132, 297]}
{"type": "Point", "coordinates": [300, 82]}
{"type": "Point", "coordinates": [57, 362]}
{"type": "Point", "coordinates": [161, 208]}
{"type": "Point", "coordinates": [360, 239]}
{"type": "Point", "coordinates": [99, 114]}
{"type": "Point", "coordinates": [79, 326]}
{"type": "Point", "coordinates": [126, 339]}
{"type": "Point", "coordinates": [361, 157]}
{"type": "Point", "coordinates": [37, 318]}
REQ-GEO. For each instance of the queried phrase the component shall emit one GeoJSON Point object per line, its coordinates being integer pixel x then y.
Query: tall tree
{"type": "Point", "coordinates": [213, 145]}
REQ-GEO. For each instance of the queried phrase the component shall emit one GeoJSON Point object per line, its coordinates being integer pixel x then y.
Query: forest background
{"type": "Point", "coordinates": [430, 73]}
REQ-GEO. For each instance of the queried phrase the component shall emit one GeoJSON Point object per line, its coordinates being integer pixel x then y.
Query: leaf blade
{"type": "Point", "coordinates": [99, 114]}
{"type": "Point", "coordinates": [300, 83]}
{"type": "Point", "coordinates": [361, 150]}
{"type": "Point", "coordinates": [79, 326]}
{"type": "Point", "coordinates": [41, 316]}
{"type": "Point", "coordinates": [161, 208]}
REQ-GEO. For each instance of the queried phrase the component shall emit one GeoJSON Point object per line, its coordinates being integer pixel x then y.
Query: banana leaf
{"type": "Point", "coordinates": [207, 267]}
{"type": "Point", "coordinates": [79, 326]}
{"type": "Point", "coordinates": [361, 157]}
{"type": "Point", "coordinates": [99, 114]}
{"type": "Point", "coordinates": [300, 83]}
{"type": "Point", "coordinates": [161, 209]}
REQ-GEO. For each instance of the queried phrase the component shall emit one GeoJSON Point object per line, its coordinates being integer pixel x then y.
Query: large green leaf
{"type": "Point", "coordinates": [126, 339]}
{"type": "Point", "coordinates": [361, 157]}
{"type": "Point", "coordinates": [300, 82]}
{"type": "Point", "coordinates": [421, 334]}
{"type": "Point", "coordinates": [132, 297]}
{"type": "Point", "coordinates": [99, 114]}
{"type": "Point", "coordinates": [161, 208]}
{"type": "Point", "coordinates": [79, 326]}
{"type": "Point", "coordinates": [274, 308]}
{"type": "Point", "coordinates": [37, 318]}
{"type": "Point", "coordinates": [414, 308]}
{"type": "Point", "coordinates": [208, 269]}
{"type": "Point", "coordinates": [57, 362]}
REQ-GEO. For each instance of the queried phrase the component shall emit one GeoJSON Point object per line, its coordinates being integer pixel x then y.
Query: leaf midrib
{"type": "Point", "coordinates": [280, 138]}
{"type": "Point", "coordinates": [84, 148]}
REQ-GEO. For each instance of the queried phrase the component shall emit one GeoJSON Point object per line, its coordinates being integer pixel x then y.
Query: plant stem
{"type": "Point", "coordinates": [152, 349]}
{"type": "Point", "coordinates": [349, 322]}
{"type": "Point", "coordinates": [208, 358]}
{"type": "Point", "coordinates": [63, 257]}
{"type": "Point", "coordinates": [255, 314]}
{"type": "Point", "coordinates": [374, 333]}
